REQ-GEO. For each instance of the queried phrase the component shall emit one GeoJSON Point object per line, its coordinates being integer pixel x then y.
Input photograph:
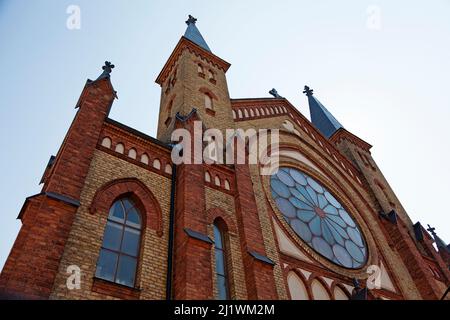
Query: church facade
{"type": "Point", "coordinates": [118, 219]}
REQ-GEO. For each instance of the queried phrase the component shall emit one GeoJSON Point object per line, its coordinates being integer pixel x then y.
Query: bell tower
{"type": "Point", "coordinates": [193, 77]}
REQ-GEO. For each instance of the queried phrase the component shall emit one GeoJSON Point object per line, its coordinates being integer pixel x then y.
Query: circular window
{"type": "Point", "coordinates": [318, 218]}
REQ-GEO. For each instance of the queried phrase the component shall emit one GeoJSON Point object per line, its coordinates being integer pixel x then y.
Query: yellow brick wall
{"type": "Point", "coordinates": [218, 199]}
{"type": "Point", "coordinates": [83, 245]}
{"type": "Point", "coordinates": [188, 96]}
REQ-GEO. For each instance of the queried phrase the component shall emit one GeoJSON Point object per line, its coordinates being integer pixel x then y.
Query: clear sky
{"type": "Point", "coordinates": [381, 67]}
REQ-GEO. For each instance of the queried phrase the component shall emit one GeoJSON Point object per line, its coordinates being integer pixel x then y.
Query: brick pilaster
{"type": "Point", "coordinates": [258, 274]}
{"type": "Point", "coordinates": [33, 262]}
{"type": "Point", "coordinates": [192, 256]}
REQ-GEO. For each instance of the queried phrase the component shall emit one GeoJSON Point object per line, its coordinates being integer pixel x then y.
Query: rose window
{"type": "Point", "coordinates": [318, 218]}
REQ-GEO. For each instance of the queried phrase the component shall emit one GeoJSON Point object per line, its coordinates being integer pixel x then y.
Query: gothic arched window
{"type": "Point", "coordinates": [221, 265]}
{"type": "Point", "coordinates": [118, 257]}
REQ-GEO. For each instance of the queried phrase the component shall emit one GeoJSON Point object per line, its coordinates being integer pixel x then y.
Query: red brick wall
{"type": "Point", "coordinates": [192, 259]}
{"type": "Point", "coordinates": [259, 275]}
{"type": "Point", "coordinates": [32, 265]}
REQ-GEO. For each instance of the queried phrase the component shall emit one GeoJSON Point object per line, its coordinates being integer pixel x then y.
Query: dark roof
{"type": "Point", "coordinates": [440, 243]}
{"type": "Point", "coordinates": [193, 34]}
{"type": "Point", "coordinates": [321, 118]}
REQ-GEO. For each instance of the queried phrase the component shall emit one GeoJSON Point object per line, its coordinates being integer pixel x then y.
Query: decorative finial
{"type": "Point", "coordinates": [308, 91]}
{"type": "Point", "coordinates": [275, 93]}
{"type": "Point", "coordinates": [191, 20]}
{"type": "Point", "coordinates": [107, 69]}
{"type": "Point", "coordinates": [432, 230]}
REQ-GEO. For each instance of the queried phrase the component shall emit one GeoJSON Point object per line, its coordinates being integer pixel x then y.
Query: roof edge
{"type": "Point", "coordinates": [185, 43]}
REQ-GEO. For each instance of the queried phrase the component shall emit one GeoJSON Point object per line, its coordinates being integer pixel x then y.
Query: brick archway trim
{"type": "Point", "coordinates": [109, 192]}
{"type": "Point", "coordinates": [214, 213]}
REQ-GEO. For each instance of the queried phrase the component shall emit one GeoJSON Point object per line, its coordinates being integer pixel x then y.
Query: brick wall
{"type": "Point", "coordinates": [83, 245]}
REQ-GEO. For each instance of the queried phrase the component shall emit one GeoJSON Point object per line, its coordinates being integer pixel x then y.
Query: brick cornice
{"type": "Point", "coordinates": [250, 102]}
{"type": "Point", "coordinates": [138, 137]}
{"type": "Point", "coordinates": [342, 134]}
{"type": "Point", "coordinates": [182, 45]}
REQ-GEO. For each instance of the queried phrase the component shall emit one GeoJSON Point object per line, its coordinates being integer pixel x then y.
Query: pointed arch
{"type": "Point", "coordinates": [298, 289]}
{"type": "Point", "coordinates": [217, 213]}
{"type": "Point", "coordinates": [120, 148]}
{"type": "Point", "coordinates": [132, 153]}
{"type": "Point", "coordinates": [340, 293]}
{"type": "Point", "coordinates": [135, 189]}
{"type": "Point", "coordinates": [319, 289]}
{"type": "Point", "coordinates": [227, 184]}
{"type": "Point", "coordinates": [145, 158]}
{"type": "Point", "coordinates": [106, 142]}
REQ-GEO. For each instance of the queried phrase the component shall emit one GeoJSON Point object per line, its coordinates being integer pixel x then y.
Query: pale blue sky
{"type": "Point", "coordinates": [389, 86]}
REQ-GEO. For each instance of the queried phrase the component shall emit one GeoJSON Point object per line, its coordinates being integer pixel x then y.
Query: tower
{"type": "Point", "coordinates": [193, 77]}
{"type": "Point", "coordinates": [194, 89]}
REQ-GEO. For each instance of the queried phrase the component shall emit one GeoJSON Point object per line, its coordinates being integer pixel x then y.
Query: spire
{"type": "Point", "coordinates": [193, 34]}
{"type": "Point", "coordinates": [321, 118]}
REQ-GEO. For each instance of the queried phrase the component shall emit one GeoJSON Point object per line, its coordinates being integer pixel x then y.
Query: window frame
{"type": "Point", "coordinates": [224, 251]}
{"type": "Point", "coordinates": [118, 252]}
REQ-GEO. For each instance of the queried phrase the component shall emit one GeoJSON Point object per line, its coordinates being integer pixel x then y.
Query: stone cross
{"type": "Point", "coordinates": [108, 67]}
{"type": "Point", "coordinates": [191, 20]}
{"type": "Point", "coordinates": [432, 230]}
{"type": "Point", "coordinates": [275, 94]}
{"type": "Point", "coordinates": [308, 91]}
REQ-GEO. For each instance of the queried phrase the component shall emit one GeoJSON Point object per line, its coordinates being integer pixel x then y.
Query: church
{"type": "Point", "coordinates": [117, 218]}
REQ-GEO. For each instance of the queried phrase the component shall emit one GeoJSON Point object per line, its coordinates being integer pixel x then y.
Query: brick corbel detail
{"type": "Point", "coordinates": [138, 191]}
{"type": "Point", "coordinates": [259, 275]}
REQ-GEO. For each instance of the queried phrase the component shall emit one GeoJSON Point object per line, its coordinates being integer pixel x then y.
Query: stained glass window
{"type": "Point", "coordinates": [318, 218]}
{"type": "Point", "coordinates": [120, 249]}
